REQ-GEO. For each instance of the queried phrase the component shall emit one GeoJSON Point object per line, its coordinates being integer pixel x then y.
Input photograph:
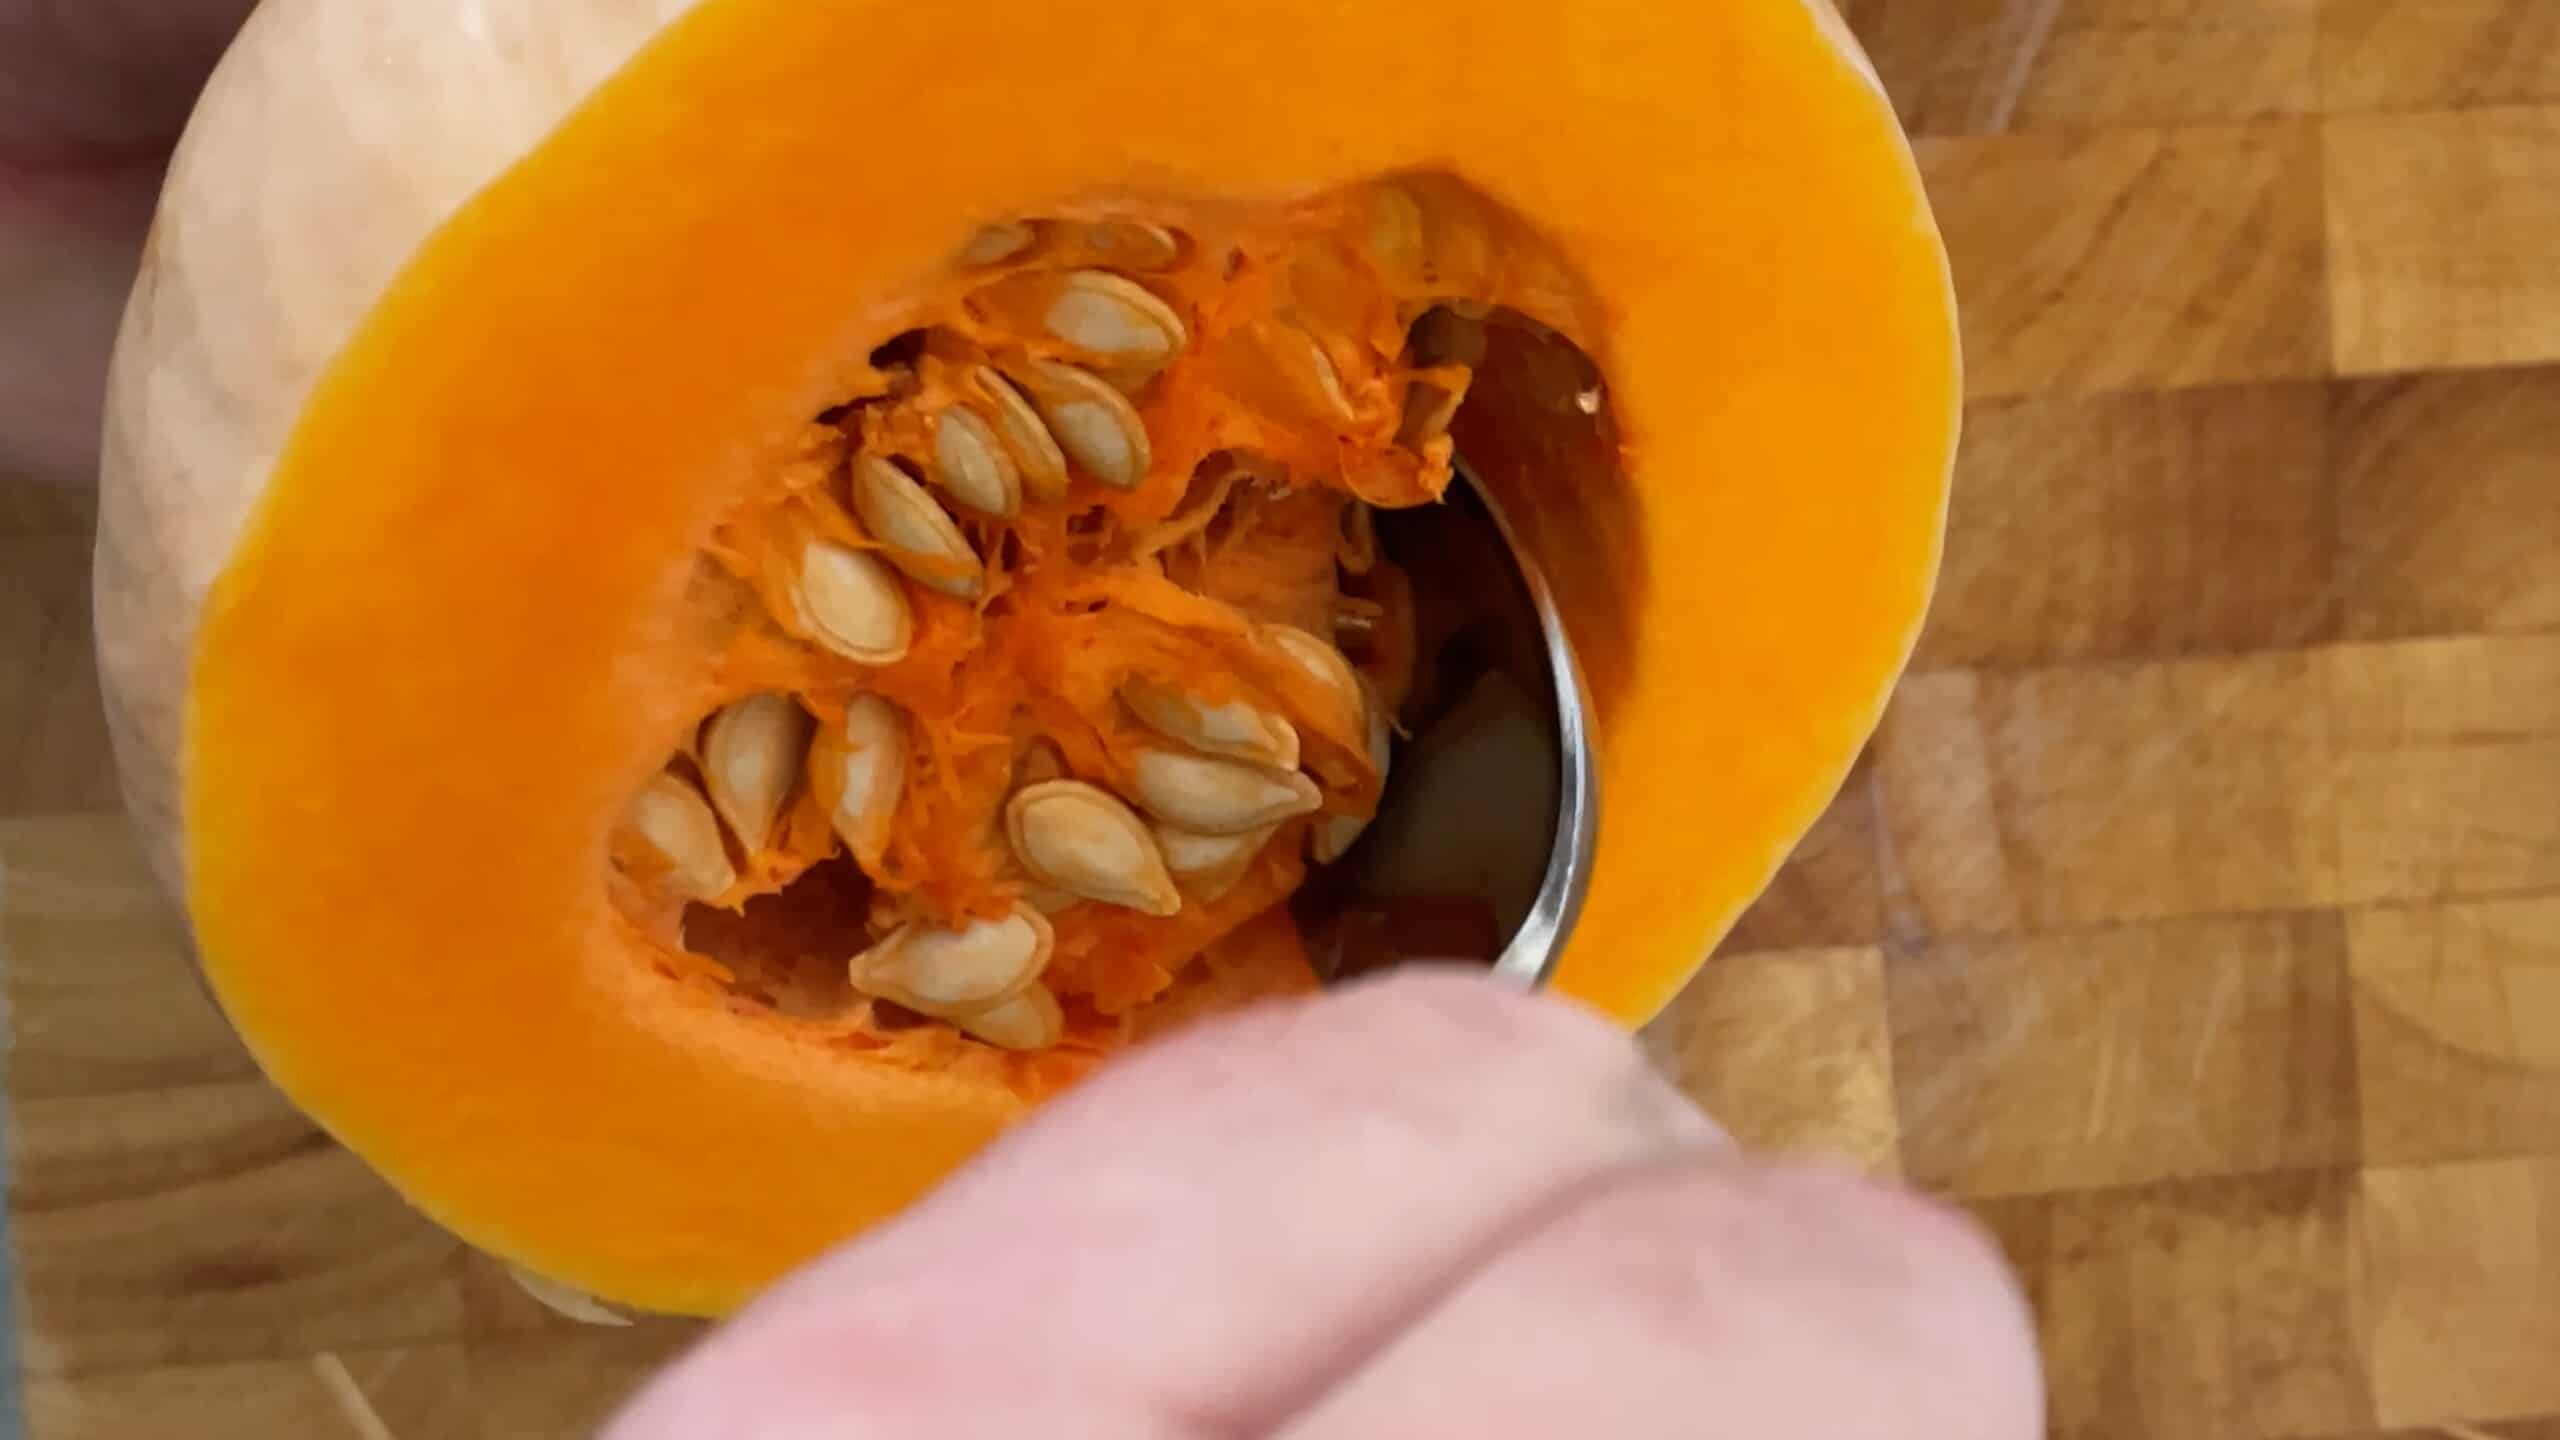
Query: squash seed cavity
{"type": "Point", "coordinates": [1070, 643]}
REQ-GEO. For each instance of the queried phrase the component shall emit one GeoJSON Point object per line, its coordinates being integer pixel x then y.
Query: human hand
{"type": "Point", "coordinates": [1424, 1207]}
{"type": "Point", "coordinates": [92, 96]}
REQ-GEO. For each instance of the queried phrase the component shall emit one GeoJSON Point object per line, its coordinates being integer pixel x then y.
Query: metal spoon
{"type": "Point", "coordinates": [1482, 847]}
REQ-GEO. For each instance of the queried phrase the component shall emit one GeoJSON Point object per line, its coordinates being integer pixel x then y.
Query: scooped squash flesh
{"type": "Point", "coordinates": [517, 429]}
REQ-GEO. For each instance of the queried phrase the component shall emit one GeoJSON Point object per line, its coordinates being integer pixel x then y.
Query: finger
{"type": "Point", "coordinates": [1714, 1299]}
{"type": "Point", "coordinates": [1206, 1233]}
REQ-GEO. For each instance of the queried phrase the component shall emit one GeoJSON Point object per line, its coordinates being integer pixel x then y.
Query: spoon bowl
{"type": "Point", "coordinates": [1482, 847]}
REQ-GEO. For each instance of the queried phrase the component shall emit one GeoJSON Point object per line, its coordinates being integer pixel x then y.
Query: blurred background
{"type": "Point", "coordinates": [2194, 919]}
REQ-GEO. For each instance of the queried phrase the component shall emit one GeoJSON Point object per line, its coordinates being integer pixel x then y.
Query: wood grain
{"type": "Point", "coordinates": [128, 1016]}
{"type": "Point", "coordinates": [2458, 1029]}
{"type": "Point", "coordinates": [1990, 66]}
{"type": "Point", "coordinates": [1830, 891]}
{"type": "Point", "coordinates": [418, 1392]}
{"type": "Point", "coordinates": [2460, 1324]}
{"type": "Point", "coordinates": [556, 1385]}
{"type": "Point", "coordinates": [2191, 1048]}
{"type": "Point", "coordinates": [2080, 796]}
{"type": "Point", "coordinates": [1793, 1049]}
{"type": "Point", "coordinates": [564, 1383]}
{"type": "Point", "coordinates": [2441, 231]}
{"type": "Point", "coordinates": [2448, 759]}
{"type": "Point", "coordinates": [209, 1222]}
{"type": "Point", "coordinates": [2437, 54]}
{"type": "Point", "coordinates": [53, 753]}
{"type": "Point", "coordinates": [2139, 525]}
{"type": "Point", "coordinates": [2546, 1427]}
{"type": "Point", "coordinates": [2447, 485]}
{"type": "Point", "coordinates": [2134, 259]}
{"type": "Point", "coordinates": [2201, 1310]}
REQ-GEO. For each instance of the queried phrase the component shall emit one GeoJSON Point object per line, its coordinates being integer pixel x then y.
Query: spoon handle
{"type": "Point", "coordinates": [1531, 956]}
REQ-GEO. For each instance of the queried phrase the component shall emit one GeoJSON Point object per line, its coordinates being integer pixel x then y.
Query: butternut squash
{"type": "Point", "coordinates": [708, 599]}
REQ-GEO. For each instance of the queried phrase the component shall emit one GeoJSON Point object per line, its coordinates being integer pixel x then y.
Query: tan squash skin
{"type": "Point", "coordinates": [256, 272]}
{"type": "Point", "coordinates": [341, 136]}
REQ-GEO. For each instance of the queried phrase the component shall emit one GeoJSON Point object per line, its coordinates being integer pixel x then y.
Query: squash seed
{"type": "Point", "coordinates": [916, 534]}
{"type": "Point", "coordinates": [870, 750]}
{"type": "Point", "coordinates": [850, 603]}
{"type": "Point", "coordinates": [1219, 797]}
{"type": "Point", "coordinates": [1301, 357]}
{"type": "Point", "coordinates": [1236, 729]}
{"type": "Point", "coordinates": [997, 243]}
{"type": "Point", "coordinates": [1132, 245]}
{"type": "Point", "coordinates": [1095, 424]}
{"type": "Point", "coordinates": [1031, 1020]}
{"type": "Point", "coordinates": [1209, 865]}
{"type": "Point", "coordinates": [1397, 234]}
{"type": "Point", "coordinates": [1035, 450]}
{"type": "Point", "coordinates": [1321, 662]}
{"type": "Point", "coordinates": [1116, 318]}
{"type": "Point", "coordinates": [1082, 839]}
{"type": "Point", "coordinates": [750, 760]}
{"type": "Point", "coordinates": [950, 973]}
{"type": "Point", "coordinates": [972, 466]}
{"type": "Point", "coordinates": [673, 818]}
{"type": "Point", "coordinates": [1336, 834]}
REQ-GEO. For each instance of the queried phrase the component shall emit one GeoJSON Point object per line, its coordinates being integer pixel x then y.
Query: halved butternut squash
{"type": "Point", "coordinates": [708, 600]}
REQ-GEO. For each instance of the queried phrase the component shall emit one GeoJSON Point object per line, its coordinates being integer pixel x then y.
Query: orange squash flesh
{"type": "Point", "coordinates": [414, 715]}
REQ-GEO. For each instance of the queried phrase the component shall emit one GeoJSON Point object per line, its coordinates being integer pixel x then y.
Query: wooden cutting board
{"type": "Point", "coordinates": [2195, 919]}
